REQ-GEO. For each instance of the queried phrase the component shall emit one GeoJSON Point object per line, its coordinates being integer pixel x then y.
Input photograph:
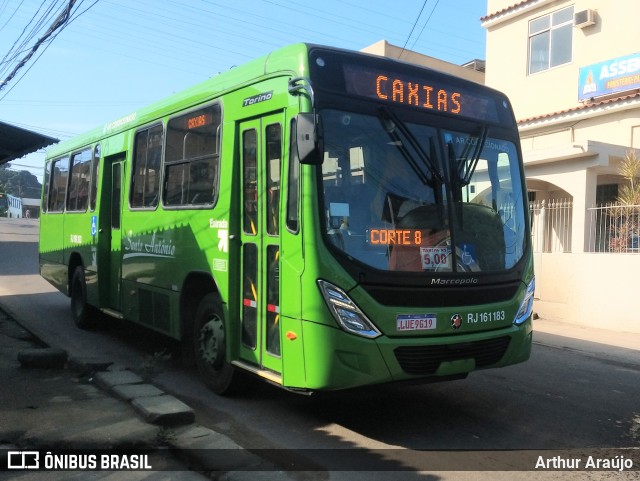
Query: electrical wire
{"type": "Point", "coordinates": [412, 29]}
{"type": "Point", "coordinates": [201, 33]}
{"type": "Point", "coordinates": [2, 10]}
{"type": "Point", "coordinates": [425, 24]}
{"type": "Point", "coordinates": [20, 44]}
{"type": "Point", "coordinates": [62, 21]}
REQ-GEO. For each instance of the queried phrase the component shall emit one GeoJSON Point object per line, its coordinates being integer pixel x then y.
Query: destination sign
{"type": "Point", "coordinates": [199, 120]}
{"type": "Point", "coordinates": [403, 88]}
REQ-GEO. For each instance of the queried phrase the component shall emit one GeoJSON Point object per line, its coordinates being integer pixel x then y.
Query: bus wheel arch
{"type": "Point", "coordinates": [210, 346]}
{"type": "Point", "coordinates": [84, 316]}
{"type": "Point", "coordinates": [194, 288]}
{"type": "Point", "coordinates": [203, 332]}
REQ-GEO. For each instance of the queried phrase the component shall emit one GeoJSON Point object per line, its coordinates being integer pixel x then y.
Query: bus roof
{"type": "Point", "coordinates": [291, 58]}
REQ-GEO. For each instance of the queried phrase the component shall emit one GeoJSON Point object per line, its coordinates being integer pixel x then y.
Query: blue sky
{"type": "Point", "coordinates": [119, 55]}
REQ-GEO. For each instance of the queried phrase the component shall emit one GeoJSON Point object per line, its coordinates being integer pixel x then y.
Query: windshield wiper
{"type": "Point", "coordinates": [392, 125]}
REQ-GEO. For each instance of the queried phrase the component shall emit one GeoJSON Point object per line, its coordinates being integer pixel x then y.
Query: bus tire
{"type": "Point", "coordinates": [209, 346]}
{"type": "Point", "coordinates": [84, 315]}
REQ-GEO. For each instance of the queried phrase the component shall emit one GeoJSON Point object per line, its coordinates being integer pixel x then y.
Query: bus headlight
{"type": "Point", "coordinates": [346, 313]}
{"type": "Point", "coordinates": [526, 306]}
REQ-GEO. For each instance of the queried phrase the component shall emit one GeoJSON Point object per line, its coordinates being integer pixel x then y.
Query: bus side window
{"type": "Point", "coordinates": [250, 182]}
{"type": "Point", "coordinates": [293, 183]}
{"type": "Point", "coordinates": [147, 157]}
{"type": "Point", "coordinates": [45, 186]}
{"type": "Point", "coordinates": [192, 158]}
{"type": "Point", "coordinates": [59, 176]}
{"type": "Point", "coordinates": [274, 164]}
{"type": "Point", "coordinates": [78, 197]}
{"type": "Point", "coordinates": [95, 164]}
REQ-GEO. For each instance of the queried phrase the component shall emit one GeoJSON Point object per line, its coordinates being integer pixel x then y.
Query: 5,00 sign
{"type": "Point", "coordinates": [434, 258]}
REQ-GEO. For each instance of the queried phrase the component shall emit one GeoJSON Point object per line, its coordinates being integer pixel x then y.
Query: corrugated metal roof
{"type": "Point", "coordinates": [16, 142]}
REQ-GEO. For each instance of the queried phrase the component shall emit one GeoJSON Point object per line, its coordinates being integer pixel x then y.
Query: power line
{"type": "Point", "coordinates": [41, 129]}
{"type": "Point", "coordinates": [60, 22]}
{"type": "Point", "coordinates": [20, 44]}
{"type": "Point", "coordinates": [11, 16]}
{"type": "Point", "coordinates": [413, 28]}
{"type": "Point", "coordinates": [69, 18]}
{"type": "Point", "coordinates": [425, 24]}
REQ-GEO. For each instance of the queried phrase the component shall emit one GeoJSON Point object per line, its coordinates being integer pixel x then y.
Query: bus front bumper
{"type": "Point", "coordinates": [337, 360]}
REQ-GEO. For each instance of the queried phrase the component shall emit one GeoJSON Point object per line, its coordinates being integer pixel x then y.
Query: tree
{"type": "Point", "coordinates": [625, 225]}
{"type": "Point", "coordinates": [630, 169]}
{"type": "Point", "coordinates": [19, 183]}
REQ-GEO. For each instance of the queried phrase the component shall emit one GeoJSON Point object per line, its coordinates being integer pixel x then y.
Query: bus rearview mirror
{"type": "Point", "coordinates": [308, 139]}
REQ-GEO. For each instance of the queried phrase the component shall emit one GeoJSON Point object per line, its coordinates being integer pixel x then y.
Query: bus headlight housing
{"type": "Point", "coordinates": [526, 306]}
{"type": "Point", "coordinates": [348, 316]}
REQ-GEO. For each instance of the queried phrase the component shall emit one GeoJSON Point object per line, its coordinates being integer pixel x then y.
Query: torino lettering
{"type": "Point", "coordinates": [418, 95]}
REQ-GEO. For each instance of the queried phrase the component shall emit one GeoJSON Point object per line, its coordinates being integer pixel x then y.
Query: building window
{"type": "Point", "coordinates": [550, 40]}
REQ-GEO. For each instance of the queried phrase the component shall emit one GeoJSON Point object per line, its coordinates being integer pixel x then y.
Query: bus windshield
{"type": "Point", "coordinates": [413, 197]}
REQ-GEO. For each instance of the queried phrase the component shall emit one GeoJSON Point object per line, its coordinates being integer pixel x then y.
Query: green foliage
{"type": "Point", "coordinates": [625, 219]}
{"type": "Point", "coordinates": [19, 183]}
{"type": "Point", "coordinates": [629, 168]}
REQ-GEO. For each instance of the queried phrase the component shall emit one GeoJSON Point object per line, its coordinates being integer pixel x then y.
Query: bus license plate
{"type": "Point", "coordinates": [415, 322]}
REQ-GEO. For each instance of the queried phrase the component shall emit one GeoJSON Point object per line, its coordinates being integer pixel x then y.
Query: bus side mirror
{"type": "Point", "coordinates": [308, 139]}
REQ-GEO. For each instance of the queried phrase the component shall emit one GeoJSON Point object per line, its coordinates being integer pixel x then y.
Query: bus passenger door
{"type": "Point", "coordinates": [110, 250]}
{"type": "Point", "coordinates": [261, 161]}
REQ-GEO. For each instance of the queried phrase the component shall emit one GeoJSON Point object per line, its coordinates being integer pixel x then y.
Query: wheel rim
{"type": "Point", "coordinates": [211, 342]}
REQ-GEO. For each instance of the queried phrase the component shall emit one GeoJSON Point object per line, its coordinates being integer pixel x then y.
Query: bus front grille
{"type": "Point", "coordinates": [425, 360]}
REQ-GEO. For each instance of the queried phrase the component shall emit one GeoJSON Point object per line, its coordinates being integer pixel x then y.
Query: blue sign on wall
{"type": "Point", "coordinates": [611, 76]}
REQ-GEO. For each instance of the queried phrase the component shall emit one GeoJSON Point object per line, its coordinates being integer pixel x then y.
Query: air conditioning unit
{"type": "Point", "coordinates": [584, 18]}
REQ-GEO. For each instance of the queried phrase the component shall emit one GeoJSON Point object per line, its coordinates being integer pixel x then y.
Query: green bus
{"type": "Point", "coordinates": [321, 218]}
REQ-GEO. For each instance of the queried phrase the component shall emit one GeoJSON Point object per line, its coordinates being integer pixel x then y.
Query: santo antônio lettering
{"type": "Point", "coordinates": [417, 94]}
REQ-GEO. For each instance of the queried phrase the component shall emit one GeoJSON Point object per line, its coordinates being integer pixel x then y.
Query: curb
{"type": "Point", "coordinates": [201, 449]}
{"type": "Point", "coordinates": [46, 358]}
{"type": "Point", "coordinates": [153, 404]}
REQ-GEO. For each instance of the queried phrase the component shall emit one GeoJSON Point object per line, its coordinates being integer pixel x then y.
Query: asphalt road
{"type": "Point", "coordinates": [560, 399]}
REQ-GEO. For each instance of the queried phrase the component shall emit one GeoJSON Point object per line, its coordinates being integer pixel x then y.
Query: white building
{"type": "Point", "coordinates": [14, 210]}
{"type": "Point", "coordinates": [572, 72]}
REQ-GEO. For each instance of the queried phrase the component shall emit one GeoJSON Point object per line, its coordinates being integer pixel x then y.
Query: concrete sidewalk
{"type": "Point", "coordinates": [49, 402]}
{"type": "Point", "coordinates": [617, 346]}
{"type": "Point", "coordinates": [80, 404]}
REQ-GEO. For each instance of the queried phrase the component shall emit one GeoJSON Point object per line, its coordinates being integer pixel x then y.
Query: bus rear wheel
{"type": "Point", "coordinates": [84, 315]}
{"type": "Point", "coordinates": [210, 346]}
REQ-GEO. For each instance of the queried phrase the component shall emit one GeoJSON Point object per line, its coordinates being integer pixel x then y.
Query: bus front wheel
{"type": "Point", "coordinates": [210, 346]}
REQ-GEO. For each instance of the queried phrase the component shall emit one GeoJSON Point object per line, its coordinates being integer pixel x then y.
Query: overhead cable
{"type": "Point", "coordinates": [62, 19]}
